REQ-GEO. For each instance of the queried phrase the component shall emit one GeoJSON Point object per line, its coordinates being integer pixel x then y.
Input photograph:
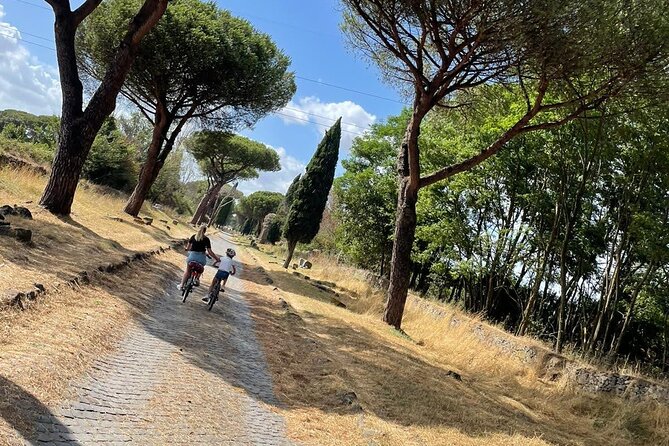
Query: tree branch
{"type": "Point", "coordinates": [492, 148]}
{"type": "Point", "coordinates": [85, 10]}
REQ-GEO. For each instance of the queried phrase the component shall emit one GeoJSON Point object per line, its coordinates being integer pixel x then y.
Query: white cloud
{"type": "Point", "coordinates": [311, 111]}
{"type": "Point", "coordinates": [25, 84]}
{"type": "Point", "coordinates": [275, 181]}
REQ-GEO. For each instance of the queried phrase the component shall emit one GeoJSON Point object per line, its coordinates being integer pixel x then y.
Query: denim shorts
{"type": "Point", "coordinates": [222, 275]}
{"type": "Point", "coordinates": [198, 257]}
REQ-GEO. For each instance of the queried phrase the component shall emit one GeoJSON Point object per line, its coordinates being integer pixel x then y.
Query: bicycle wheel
{"type": "Point", "coordinates": [187, 289]}
{"type": "Point", "coordinates": [213, 297]}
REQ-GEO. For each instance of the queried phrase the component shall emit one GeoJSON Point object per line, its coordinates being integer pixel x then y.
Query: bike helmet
{"type": "Point", "coordinates": [230, 252]}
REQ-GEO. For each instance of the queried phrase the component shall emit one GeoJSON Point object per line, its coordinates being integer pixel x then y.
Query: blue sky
{"type": "Point", "coordinates": [307, 31]}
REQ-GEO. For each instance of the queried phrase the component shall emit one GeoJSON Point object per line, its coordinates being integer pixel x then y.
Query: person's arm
{"type": "Point", "coordinates": [234, 270]}
{"type": "Point", "coordinates": [213, 255]}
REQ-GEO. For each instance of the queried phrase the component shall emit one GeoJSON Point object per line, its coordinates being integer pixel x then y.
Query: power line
{"type": "Point", "coordinates": [349, 89]}
{"type": "Point", "coordinates": [33, 4]}
{"type": "Point", "coordinates": [28, 41]}
{"type": "Point", "coordinates": [324, 117]}
{"type": "Point", "coordinates": [23, 32]}
{"type": "Point", "coordinates": [316, 123]}
{"type": "Point", "coordinates": [327, 84]}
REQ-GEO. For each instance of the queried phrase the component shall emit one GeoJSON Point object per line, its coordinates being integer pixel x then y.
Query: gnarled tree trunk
{"type": "Point", "coordinates": [78, 127]}
{"type": "Point", "coordinates": [400, 264]}
{"type": "Point", "coordinates": [291, 249]}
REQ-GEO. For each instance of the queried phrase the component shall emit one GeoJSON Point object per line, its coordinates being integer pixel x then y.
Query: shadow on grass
{"type": "Point", "coordinates": [320, 359]}
{"type": "Point", "coordinates": [19, 408]}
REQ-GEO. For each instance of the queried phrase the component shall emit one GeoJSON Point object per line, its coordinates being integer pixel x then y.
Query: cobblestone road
{"type": "Point", "coordinates": [181, 376]}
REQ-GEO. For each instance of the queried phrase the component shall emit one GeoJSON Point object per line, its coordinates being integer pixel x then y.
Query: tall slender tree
{"type": "Point", "coordinates": [79, 125]}
{"type": "Point", "coordinates": [310, 195]}
{"type": "Point", "coordinates": [564, 58]}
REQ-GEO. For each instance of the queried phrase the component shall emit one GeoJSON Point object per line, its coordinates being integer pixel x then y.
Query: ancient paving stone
{"type": "Point", "coordinates": [182, 375]}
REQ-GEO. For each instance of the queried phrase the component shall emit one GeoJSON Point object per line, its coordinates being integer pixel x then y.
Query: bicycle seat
{"type": "Point", "coordinates": [196, 266]}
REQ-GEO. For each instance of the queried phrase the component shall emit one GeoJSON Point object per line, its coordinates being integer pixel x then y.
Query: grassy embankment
{"type": "Point", "coordinates": [44, 348]}
{"type": "Point", "coordinates": [319, 352]}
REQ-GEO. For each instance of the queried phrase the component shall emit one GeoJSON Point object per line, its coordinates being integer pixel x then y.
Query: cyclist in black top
{"type": "Point", "coordinates": [198, 246]}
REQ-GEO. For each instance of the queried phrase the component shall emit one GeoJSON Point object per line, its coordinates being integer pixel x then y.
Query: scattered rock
{"type": "Point", "coordinates": [304, 263]}
{"type": "Point", "coordinates": [82, 277]}
{"type": "Point", "coordinates": [115, 218]}
{"type": "Point", "coordinates": [147, 221]}
{"type": "Point", "coordinates": [284, 304]}
{"type": "Point", "coordinates": [23, 235]}
{"type": "Point", "coordinates": [4, 223]}
{"type": "Point", "coordinates": [31, 295]}
{"type": "Point", "coordinates": [138, 220]}
{"type": "Point", "coordinates": [168, 228]}
{"type": "Point", "coordinates": [23, 212]}
{"type": "Point", "coordinates": [294, 265]}
{"type": "Point", "coordinates": [338, 303]}
{"type": "Point", "coordinates": [40, 287]}
{"type": "Point", "coordinates": [7, 210]}
{"type": "Point", "coordinates": [174, 222]}
{"type": "Point", "coordinates": [456, 376]}
{"type": "Point", "coordinates": [268, 280]}
{"type": "Point", "coordinates": [163, 221]}
{"type": "Point", "coordinates": [351, 399]}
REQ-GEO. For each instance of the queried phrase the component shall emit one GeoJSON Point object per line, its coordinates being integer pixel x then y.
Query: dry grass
{"type": "Point", "coordinates": [318, 352]}
{"type": "Point", "coordinates": [43, 350]}
{"type": "Point", "coordinates": [65, 246]}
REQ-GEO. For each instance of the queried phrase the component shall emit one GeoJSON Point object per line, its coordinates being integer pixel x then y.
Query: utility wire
{"type": "Point", "coordinates": [327, 84]}
{"type": "Point", "coordinates": [316, 123]}
{"type": "Point", "coordinates": [33, 4]}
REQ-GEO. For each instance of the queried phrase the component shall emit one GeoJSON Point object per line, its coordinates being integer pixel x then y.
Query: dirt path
{"type": "Point", "coordinates": [182, 375]}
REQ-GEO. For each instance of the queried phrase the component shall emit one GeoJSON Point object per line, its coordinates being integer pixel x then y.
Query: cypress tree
{"type": "Point", "coordinates": [291, 191]}
{"type": "Point", "coordinates": [310, 194]}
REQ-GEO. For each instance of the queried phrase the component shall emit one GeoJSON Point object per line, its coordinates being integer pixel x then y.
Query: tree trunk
{"type": "Point", "coordinates": [78, 127]}
{"type": "Point", "coordinates": [147, 176]}
{"type": "Point", "coordinates": [630, 310]}
{"type": "Point", "coordinates": [529, 308]}
{"type": "Point", "coordinates": [211, 204]}
{"type": "Point", "coordinates": [291, 249]}
{"type": "Point", "coordinates": [400, 264]}
{"type": "Point", "coordinates": [73, 148]}
{"type": "Point", "coordinates": [206, 203]}
{"type": "Point", "coordinates": [152, 164]}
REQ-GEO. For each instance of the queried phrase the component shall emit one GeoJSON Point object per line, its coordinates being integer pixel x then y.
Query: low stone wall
{"type": "Point", "coordinates": [552, 366]}
{"type": "Point", "coordinates": [23, 299]}
{"type": "Point", "coordinates": [7, 159]}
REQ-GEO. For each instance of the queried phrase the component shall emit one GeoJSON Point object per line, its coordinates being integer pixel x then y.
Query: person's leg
{"type": "Point", "coordinates": [185, 277]}
{"type": "Point", "coordinates": [213, 283]}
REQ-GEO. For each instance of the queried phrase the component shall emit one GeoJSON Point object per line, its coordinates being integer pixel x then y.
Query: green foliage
{"type": "Point", "coordinates": [366, 195]}
{"type": "Point", "coordinates": [111, 161]}
{"type": "Point", "coordinates": [274, 232]}
{"type": "Point", "coordinates": [225, 212]}
{"type": "Point", "coordinates": [311, 194]}
{"type": "Point", "coordinates": [198, 61]}
{"type": "Point", "coordinates": [290, 193]}
{"type": "Point", "coordinates": [484, 232]}
{"type": "Point", "coordinates": [26, 127]}
{"type": "Point", "coordinates": [257, 205]}
{"type": "Point", "coordinates": [224, 157]}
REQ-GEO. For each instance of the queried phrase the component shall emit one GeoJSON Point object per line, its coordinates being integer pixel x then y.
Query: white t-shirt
{"type": "Point", "coordinates": [226, 264]}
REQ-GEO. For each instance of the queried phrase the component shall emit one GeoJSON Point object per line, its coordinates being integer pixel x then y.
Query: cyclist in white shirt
{"type": "Point", "coordinates": [225, 268]}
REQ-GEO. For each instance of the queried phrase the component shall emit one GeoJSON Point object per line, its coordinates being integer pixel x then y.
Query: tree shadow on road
{"type": "Point", "coordinates": [19, 408]}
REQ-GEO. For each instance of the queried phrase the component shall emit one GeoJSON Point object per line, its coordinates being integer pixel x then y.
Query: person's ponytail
{"type": "Point", "coordinates": [200, 233]}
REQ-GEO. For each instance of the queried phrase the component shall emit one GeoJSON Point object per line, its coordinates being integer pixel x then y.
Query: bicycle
{"type": "Point", "coordinates": [196, 270]}
{"type": "Point", "coordinates": [213, 296]}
